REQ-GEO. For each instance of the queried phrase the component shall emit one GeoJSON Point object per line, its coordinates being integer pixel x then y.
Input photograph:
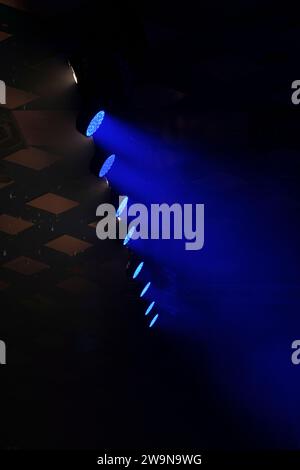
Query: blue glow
{"type": "Point", "coordinates": [129, 235]}
{"type": "Point", "coordinates": [145, 289]}
{"type": "Point", "coordinates": [246, 302]}
{"type": "Point", "coordinates": [122, 206]}
{"type": "Point", "coordinates": [106, 166]}
{"type": "Point", "coordinates": [153, 320]}
{"type": "Point", "coordinates": [95, 123]}
{"type": "Point", "coordinates": [138, 270]}
{"type": "Point", "coordinates": [150, 308]}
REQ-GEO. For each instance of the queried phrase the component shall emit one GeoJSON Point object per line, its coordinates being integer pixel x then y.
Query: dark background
{"type": "Point", "coordinates": [83, 369]}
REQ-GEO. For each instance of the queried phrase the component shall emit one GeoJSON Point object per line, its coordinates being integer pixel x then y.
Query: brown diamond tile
{"type": "Point", "coordinates": [69, 245]}
{"type": "Point", "coordinates": [32, 158]}
{"type": "Point", "coordinates": [5, 181]}
{"type": "Point", "coordinates": [3, 285]}
{"type": "Point", "coordinates": [24, 265]}
{"type": "Point", "coordinates": [53, 203]}
{"type": "Point", "coordinates": [13, 225]}
{"type": "Point", "coordinates": [4, 36]}
{"type": "Point", "coordinates": [77, 285]}
{"type": "Point", "coordinates": [16, 97]}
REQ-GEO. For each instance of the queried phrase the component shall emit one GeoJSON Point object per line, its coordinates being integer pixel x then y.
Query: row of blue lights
{"type": "Point", "coordinates": [93, 126]}
{"type": "Point", "coordinates": [150, 307]}
{"type": "Point", "coordinates": [140, 265]}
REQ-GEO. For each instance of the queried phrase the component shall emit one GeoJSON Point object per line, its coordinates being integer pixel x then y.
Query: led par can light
{"type": "Point", "coordinates": [89, 120]}
{"type": "Point", "coordinates": [99, 88]}
{"type": "Point", "coordinates": [129, 235]}
{"type": "Point", "coordinates": [150, 308]}
{"type": "Point", "coordinates": [145, 289]}
{"type": "Point", "coordinates": [122, 206]}
{"type": "Point", "coordinates": [119, 202]}
{"type": "Point", "coordinates": [135, 267]}
{"type": "Point", "coordinates": [153, 321]}
{"type": "Point", "coordinates": [107, 165]}
{"type": "Point", "coordinates": [102, 163]}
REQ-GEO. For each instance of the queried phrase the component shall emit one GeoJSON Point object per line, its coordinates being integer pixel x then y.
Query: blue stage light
{"type": "Point", "coordinates": [95, 123]}
{"type": "Point", "coordinates": [145, 289]}
{"type": "Point", "coordinates": [129, 235]}
{"type": "Point", "coordinates": [153, 320]}
{"type": "Point", "coordinates": [138, 270]}
{"type": "Point", "coordinates": [149, 308]}
{"type": "Point", "coordinates": [122, 206]}
{"type": "Point", "coordinates": [106, 166]}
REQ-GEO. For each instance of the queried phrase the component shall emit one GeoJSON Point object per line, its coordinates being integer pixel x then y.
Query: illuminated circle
{"type": "Point", "coordinates": [149, 308]}
{"type": "Point", "coordinates": [145, 289]}
{"type": "Point", "coordinates": [95, 123]}
{"type": "Point", "coordinates": [129, 235]}
{"type": "Point", "coordinates": [122, 206]}
{"type": "Point", "coordinates": [106, 166]}
{"type": "Point", "coordinates": [138, 270]}
{"type": "Point", "coordinates": [153, 320]}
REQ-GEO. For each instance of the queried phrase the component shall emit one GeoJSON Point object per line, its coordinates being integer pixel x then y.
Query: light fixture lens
{"type": "Point", "coordinates": [153, 320]}
{"type": "Point", "coordinates": [122, 206]}
{"type": "Point", "coordinates": [149, 308]}
{"type": "Point", "coordinates": [129, 235]}
{"type": "Point", "coordinates": [74, 75]}
{"type": "Point", "coordinates": [138, 270]}
{"type": "Point", "coordinates": [106, 166]}
{"type": "Point", "coordinates": [145, 289]}
{"type": "Point", "coordinates": [95, 123]}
